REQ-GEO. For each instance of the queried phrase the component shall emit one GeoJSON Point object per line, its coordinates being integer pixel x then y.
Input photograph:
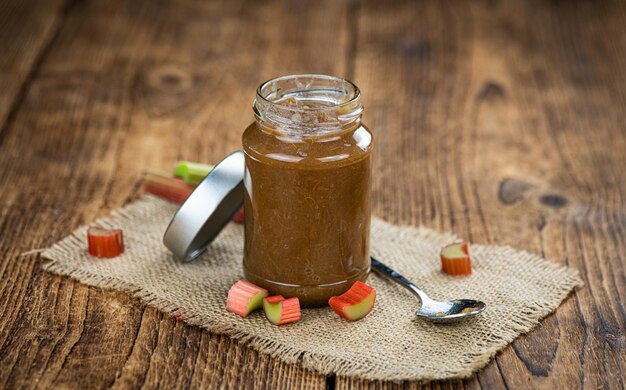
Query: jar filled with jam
{"type": "Point", "coordinates": [307, 188]}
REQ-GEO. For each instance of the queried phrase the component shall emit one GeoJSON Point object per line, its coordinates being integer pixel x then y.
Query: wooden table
{"type": "Point", "coordinates": [501, 121]}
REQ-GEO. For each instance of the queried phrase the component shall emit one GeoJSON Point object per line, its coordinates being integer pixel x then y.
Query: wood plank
{"type": "Point", "coordinates": [26, 30]}
{"type": "Point", "coordinates": [130, 85]}
{"type": "Point", "coordinates": [495, 119]}
{"type": "Point", "coordinates": [501, 121]}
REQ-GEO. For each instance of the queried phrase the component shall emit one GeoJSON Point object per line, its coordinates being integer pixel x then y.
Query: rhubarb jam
{"type": "Point", "coordinates": [307, 188]}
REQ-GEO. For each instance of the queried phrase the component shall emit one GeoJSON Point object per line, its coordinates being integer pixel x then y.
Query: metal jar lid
{"type": "Point", "coordinates": [207, 210]}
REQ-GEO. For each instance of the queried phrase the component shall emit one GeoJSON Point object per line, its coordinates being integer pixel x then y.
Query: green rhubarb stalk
{"type": "Point", "coordinates": [192, 172]}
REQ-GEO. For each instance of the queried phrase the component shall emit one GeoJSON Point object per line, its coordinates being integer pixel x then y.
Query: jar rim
{"type": "Point", "coordinates": [337, 104]}
{"type": "Point", "coordinates": [355, 94]}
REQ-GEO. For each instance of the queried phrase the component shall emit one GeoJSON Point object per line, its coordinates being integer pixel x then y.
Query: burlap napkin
{"type": "Point", "coordinates": [389, 344]}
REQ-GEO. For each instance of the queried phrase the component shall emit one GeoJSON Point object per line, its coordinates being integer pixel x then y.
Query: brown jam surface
{"type": "Point", "coordinates": [307, 203]}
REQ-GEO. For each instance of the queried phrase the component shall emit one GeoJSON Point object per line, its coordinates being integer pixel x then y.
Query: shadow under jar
{"type": "Point", "coordinates": [307, 188]}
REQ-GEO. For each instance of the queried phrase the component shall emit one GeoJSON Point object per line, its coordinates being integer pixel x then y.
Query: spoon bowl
{"type": "Point", "coordinates": [437, 311]}
{"type": "Point", "coordinates": [449, 311]}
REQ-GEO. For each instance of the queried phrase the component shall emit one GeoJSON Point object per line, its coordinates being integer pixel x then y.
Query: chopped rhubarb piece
{"type": "Point", "coordinates": [455, 259]}
{"type": "Point", "coordinates": [279, 310]}
{"type": "Point", "coordinates": [355, 303]}
{"type": "Point", "coordinates": [245, 297]}
{"type": "Point", "coordinates": [172, 189]}
{"type": "Point", "coordinates": [105, 242]}
{"type": "Point", "coordinates": [239, 217]}
{"type": "Point", "coordinates": [191, 172]}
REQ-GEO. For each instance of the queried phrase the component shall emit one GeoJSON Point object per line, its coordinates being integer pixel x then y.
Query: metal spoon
{"type": "Point", "coordinates": [446, 311]}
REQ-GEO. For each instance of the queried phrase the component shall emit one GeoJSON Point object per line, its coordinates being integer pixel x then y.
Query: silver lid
{"type": "Point", "coordinates": [208, 209]}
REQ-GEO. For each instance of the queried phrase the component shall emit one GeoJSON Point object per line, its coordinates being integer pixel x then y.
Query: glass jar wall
{"type": "Point", "coordinates": [307, 188]}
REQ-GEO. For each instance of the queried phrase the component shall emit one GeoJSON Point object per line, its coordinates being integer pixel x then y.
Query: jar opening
{"type": "Point", "coordinates": [308, 105]}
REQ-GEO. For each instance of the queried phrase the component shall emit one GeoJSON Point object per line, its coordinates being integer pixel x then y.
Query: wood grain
{"type": "Point", "coordinates": [500, 121]}
{"type": "Point", "coordinates": [117, 93]}
{"type": "Point", "coordinates": [27, 30]}
{"type": "Point", "coordinates": [502, 135]}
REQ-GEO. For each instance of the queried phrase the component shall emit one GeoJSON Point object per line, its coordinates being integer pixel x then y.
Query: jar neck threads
{"type": "Point", "coordinates": [305, 106]}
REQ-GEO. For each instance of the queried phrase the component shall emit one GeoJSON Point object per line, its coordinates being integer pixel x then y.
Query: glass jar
{"type": "Point", "coordinates": [307, 188]}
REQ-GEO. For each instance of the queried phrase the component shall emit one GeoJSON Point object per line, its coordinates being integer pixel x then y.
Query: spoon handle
{"type": "Point", "coordinates": [389, 273]}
